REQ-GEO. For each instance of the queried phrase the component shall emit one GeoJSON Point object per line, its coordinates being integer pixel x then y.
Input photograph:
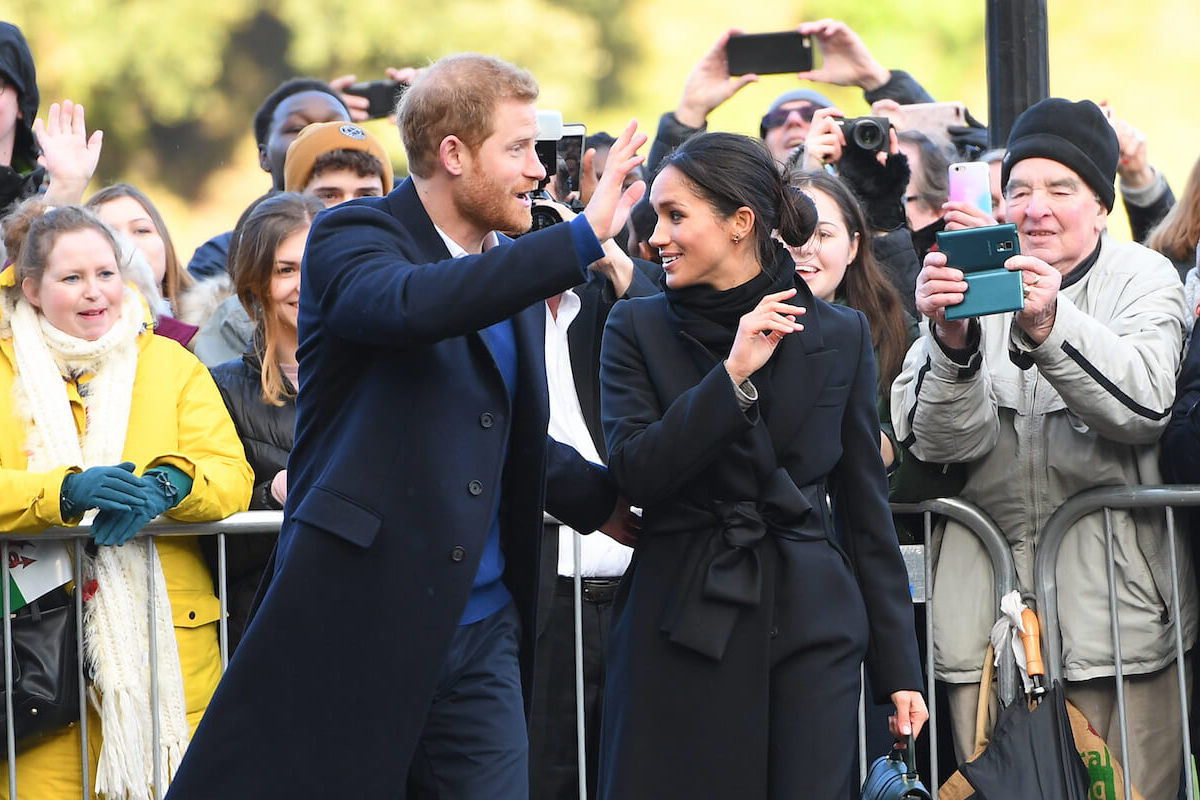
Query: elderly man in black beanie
{"type": "Point", "coordinates": [1069, 393]}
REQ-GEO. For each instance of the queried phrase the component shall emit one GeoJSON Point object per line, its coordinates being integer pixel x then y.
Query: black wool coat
{"type": "Point", "coordinates": [738, 575]}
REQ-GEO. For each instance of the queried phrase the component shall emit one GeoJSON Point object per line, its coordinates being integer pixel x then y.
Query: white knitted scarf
{"type": "Point", "coordinates": [116, 632]}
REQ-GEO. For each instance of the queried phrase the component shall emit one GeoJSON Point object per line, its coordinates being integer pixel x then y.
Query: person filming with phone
{"type": "Point", "coordinates": [1070, 392]}
{"type": "Point", "coordinates": [845, 61]}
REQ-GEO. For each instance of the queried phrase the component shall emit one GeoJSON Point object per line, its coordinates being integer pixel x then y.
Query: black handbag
{"type": "Point", "coordinates": [894, 776]}
{"type": "Point", "coordinates": [45, 672]}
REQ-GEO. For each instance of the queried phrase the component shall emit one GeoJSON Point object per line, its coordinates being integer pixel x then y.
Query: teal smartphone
{"type": "Point", "coordinates": [980, 253]}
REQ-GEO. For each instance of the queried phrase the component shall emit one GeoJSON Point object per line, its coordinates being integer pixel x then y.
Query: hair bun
{"type": "Point", "coordinates": [797, 216]}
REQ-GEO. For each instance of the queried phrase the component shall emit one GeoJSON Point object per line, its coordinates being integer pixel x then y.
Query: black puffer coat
{"type": "Point", "coordinates": [22, 177]}
{"type": "Point", "coordinates": [266, 432]}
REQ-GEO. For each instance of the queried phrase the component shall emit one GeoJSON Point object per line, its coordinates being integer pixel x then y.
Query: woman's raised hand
{"type": "Point", "coordinates": [69, 155]}
{"type": "Point", "coordinates": [760, 332]}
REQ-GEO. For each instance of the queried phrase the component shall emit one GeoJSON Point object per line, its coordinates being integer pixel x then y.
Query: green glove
{"type": "Point", "coordinates": [161, 488]}
{"type": "Point", "coordinates": [113, 488]}
{"type": "Point", "coordinates": [172, 485]}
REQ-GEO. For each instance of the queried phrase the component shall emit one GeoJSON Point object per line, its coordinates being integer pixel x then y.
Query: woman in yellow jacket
{"type": "Point", "coordinates": [97, 413]}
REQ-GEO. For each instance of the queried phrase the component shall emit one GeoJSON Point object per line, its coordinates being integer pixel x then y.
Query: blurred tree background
{"type": "Point", "coordinates": [174, 85]}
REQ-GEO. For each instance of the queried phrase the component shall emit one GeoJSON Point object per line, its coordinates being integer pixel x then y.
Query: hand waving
{"type": "Point", "coordinates": [709, 84]}
{"type": "Point", "coordinates": [68, 154]}
{"type": "Point", "coordinates": [760, 332]}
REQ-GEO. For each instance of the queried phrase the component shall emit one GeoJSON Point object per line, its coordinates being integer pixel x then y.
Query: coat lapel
{"type": "Point", "coordinates": [803, 364]}
{"type": "Point", "coordinates": [583, 338]}
{"type": "Point", "coordinates": [405, 205]}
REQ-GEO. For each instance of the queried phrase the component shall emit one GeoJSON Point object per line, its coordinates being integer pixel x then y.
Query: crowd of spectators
{"type": "Point", "coordinates": [1091, 383]}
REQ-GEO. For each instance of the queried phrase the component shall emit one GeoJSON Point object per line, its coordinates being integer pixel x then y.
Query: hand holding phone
{"type": "Point", "coordinates": [980, 253]}
{"type": "Point", "coordinates": [570, 150]}
{"type": "Point", "coordinates": [971, 183]}
{"type": "Point", "coordinates": [769, 53]}
{"type": "Point", "coordinates": [382, 96]}
{"type": "Point", "coordinates": [938, 117]}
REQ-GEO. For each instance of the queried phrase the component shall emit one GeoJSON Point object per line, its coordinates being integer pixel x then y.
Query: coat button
{"type": "Point", "coordinates": [191, 615]}
{"type": "Point", "coordinates": [774, 632]}
{"type": "Point", "coordinates": [458, 553]}
{"type": "Point", "coordinates": [486, 420]}
{"type": "Point", "coordinates": [475, 488]}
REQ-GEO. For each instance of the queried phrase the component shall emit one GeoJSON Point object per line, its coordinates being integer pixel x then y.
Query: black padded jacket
{"type": "Point", "coordinates": [266, 432]}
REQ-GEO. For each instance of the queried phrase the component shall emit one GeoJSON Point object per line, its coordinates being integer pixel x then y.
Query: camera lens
{"type": "Point", "coordinates": [869, 134]}
{"type": "Point", "coordinates": [543, 217]}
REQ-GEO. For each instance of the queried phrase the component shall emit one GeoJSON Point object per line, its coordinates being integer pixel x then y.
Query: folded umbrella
{"type": "Point", "coordinates": [1031, 755]}
{"type": "Point", "coordinates": [1032, 752]}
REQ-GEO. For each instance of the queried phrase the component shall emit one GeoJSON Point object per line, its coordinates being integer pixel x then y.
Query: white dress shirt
{"type": "Point", "coordinates": [600, 556]}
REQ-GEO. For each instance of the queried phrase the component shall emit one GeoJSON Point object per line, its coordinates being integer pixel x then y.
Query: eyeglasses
{"type": "Point", "coordinates": [779, 116]}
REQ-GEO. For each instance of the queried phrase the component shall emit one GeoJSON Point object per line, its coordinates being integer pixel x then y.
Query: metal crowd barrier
{"type": "Point", "coordinates": [920, 573]}
{"type": "Point", "coordinates": [255, 522]}
{"type": "Point", "coordinates": [1046, 586]}
{"type": "Point", "coordinates": [239, 524]}
{"type": "Point", "coordinates": [1004, 573]}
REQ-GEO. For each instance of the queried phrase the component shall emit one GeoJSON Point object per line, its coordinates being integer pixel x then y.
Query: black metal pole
{"type": "Point", "coordinates": [1018, 62]}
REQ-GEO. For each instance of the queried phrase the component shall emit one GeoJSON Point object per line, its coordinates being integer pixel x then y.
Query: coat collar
{"type": "Point", "coordinates": [802, 364]}
{"type": "Point", "coordinates": [405, 204]}
{"type": "Point", "coordinates": [810, 340]}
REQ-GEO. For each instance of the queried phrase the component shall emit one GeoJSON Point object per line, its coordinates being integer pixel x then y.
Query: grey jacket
{"type": "Point", "coordinates": [1087, 410]}
{"type": "Point", "coordinates": [226, 334]}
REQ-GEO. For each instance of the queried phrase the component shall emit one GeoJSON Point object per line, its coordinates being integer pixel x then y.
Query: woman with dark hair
{"type": "Point", "coordinates": [128, 211]}
{"type": "Point", "coordinates": [259, 388]}
{"type": "Point", "coordinates": [838, 266]}
{"type": "Point", "coordinates": [740, 627]}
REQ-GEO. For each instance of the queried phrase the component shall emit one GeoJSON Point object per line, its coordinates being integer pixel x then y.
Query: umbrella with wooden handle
{"type": "Point", "coordinates": [1032, 753]}
{"type": "Point", "coordinates": [1031, 638]}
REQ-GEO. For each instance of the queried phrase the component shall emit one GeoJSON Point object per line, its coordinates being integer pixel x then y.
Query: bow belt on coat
{"type": "Point", "coordinates": [721, 573]}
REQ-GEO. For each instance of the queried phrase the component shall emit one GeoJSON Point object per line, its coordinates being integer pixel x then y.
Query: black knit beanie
{"type": "Point", "coordinates": [1074, 134]}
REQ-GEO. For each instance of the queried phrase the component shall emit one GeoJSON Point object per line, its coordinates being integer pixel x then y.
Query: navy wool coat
{"type": "Point", "coordinates": [404, 437]}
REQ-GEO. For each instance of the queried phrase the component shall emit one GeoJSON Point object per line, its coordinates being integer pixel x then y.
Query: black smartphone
{"type": "Point", "coordinates": [382, 95]}
{"type": "Point", "coordinates": [769, 53]}
{"type": "Point", "coordinates": [570, 150]}
{"type": "Point", "coordinates": [980, 253]}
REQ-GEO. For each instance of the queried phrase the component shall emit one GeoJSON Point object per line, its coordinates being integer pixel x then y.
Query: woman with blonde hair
{"type": "Point", "coordinates": [1177, 235]}
{"type": "Point", "coordinates": [99, 416]}
{"type": "Point", "coordinates": [128, 211]}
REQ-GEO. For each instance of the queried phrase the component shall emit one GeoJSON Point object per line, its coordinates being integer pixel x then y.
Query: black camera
{"type": "Point", "coordinates": [543, 212]}
{"type": "Point", "coordinates": [866, 133]}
